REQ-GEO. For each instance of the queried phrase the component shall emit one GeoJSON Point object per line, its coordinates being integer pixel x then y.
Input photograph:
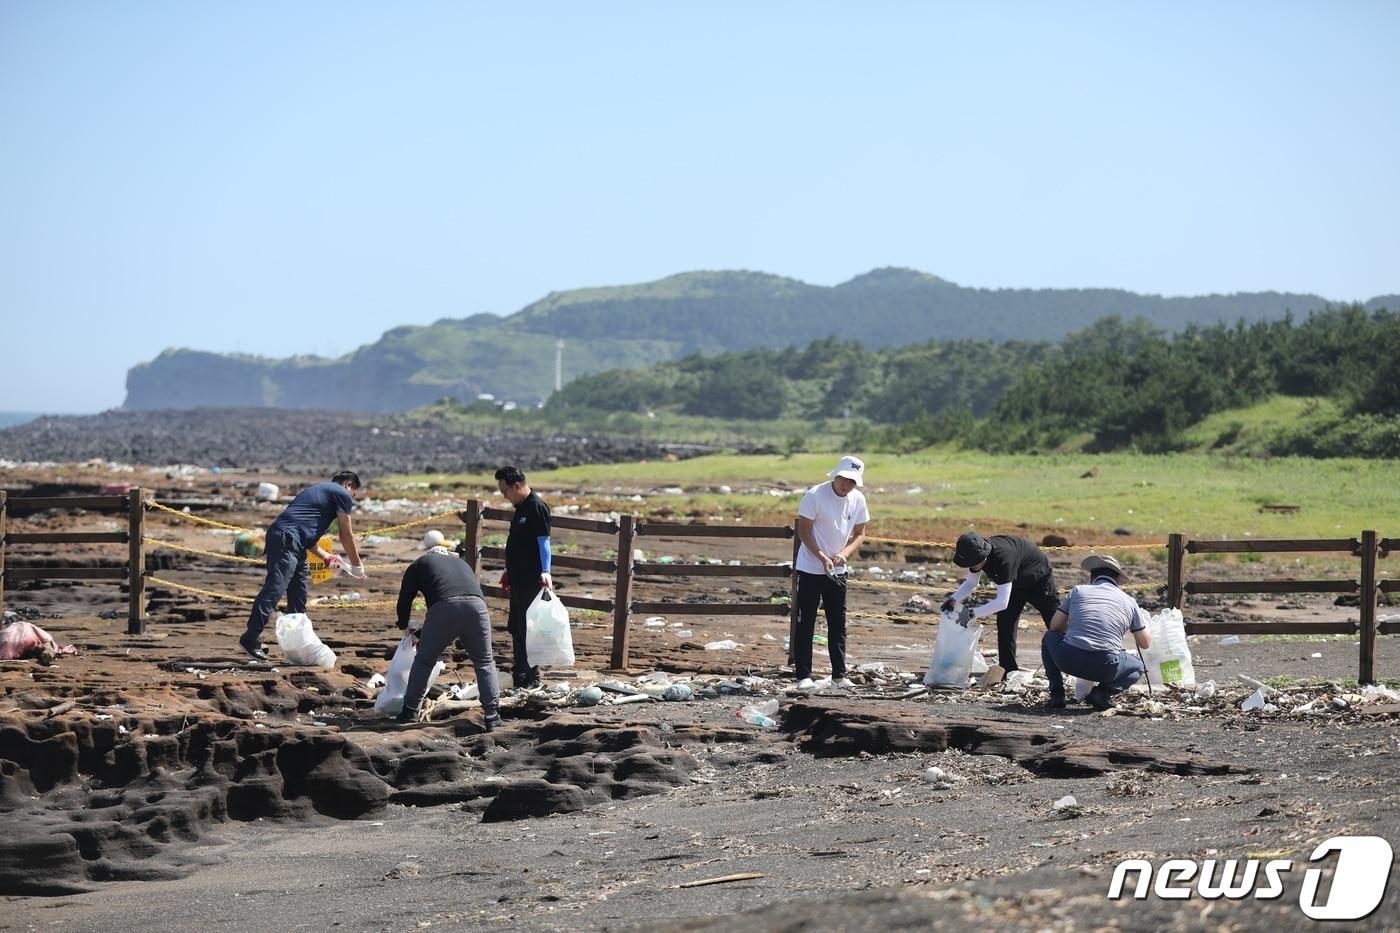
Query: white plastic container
{"type": "Point", "coordinates": [268, 492]}
{"type": "Point", "coordinates": [1168, 661]}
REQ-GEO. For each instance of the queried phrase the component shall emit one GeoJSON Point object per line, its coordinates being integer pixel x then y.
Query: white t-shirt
{"type": "Point", "coordinates": [832, 517]}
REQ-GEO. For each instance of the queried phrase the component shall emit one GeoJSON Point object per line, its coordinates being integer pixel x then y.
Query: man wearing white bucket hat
{"type": "Point", "coordinates": [1086, 636]}
{"type": "Point", "coordinates": [831, 522]}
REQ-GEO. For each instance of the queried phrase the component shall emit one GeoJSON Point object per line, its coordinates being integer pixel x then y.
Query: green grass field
{"type": "Point", "coordinates": [1201, 495]}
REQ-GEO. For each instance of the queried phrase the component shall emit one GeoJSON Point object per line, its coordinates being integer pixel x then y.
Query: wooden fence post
{"type": "Point", "coordinates": [470, 548]}
{"type": "Point", "coordinates": [622, 598]}
{"type": "Point", "coordinates": [136, 571]}
{"type": "Point", "coordinates": [1369, 551]}
{"type": "Point", "coordinates": [1176, 570]}
{"type": "Point", "coordinates": [792, 598]}
{"type": "Point", "coordinates": [3, 509]}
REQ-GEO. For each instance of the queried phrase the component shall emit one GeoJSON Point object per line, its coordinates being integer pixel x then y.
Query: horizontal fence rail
{"type": "Point", "coordinates": [132, 570]}
{"type": "Point", "coordinates": [1368, 548]}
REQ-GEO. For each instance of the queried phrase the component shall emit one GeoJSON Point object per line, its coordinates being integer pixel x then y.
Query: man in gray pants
{"type": "Point", "coordinates": [456, 612]}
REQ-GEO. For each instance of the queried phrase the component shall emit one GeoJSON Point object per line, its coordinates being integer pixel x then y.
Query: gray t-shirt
{"type": "Point", "coordinates": [1100, 615]}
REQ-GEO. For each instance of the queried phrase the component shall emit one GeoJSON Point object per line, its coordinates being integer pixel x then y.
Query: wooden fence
{"type": "Point", "coordinates": [626, 570]}
{"type": "Point", "coordinates": [1369, 549]}
{"type": "Point", "coordinates": [133, 570]}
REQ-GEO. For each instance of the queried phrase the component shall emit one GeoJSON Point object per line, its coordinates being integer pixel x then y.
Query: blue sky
{"type": "Point", "coordinates": [280, 178]}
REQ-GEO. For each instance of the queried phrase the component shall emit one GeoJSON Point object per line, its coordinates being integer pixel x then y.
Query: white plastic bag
{"type": "Point", "coordinates": [390, 699]}
{"type": "Point", "coordinates": [1168, 661]}
{"type": "Point", "coordinates": [952, 652]}
{"type": "Point", "coordinates": [299, 643]}
{"type": "Point", "coordinates": [547, 639]}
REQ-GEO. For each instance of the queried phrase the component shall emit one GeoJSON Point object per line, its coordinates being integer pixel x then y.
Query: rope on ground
{"type": "Point", "coordinates": [387, 529]}
{"type": "Point", "coordinates": [202, 592]}
{"type": "Point", "coordinates": [891, 585]}
{"type": "Point", "coordinates": [158, 542]}
{"type": "Point", "coordinates": [232, 597]}
{"type": "Point", "coordinates": [950, 545]}
{"type": "Point", "coordinates": [153, 504]}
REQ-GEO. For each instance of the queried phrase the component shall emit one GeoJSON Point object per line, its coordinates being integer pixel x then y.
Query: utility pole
{"type": "Point", "coordinates": [558, 365]}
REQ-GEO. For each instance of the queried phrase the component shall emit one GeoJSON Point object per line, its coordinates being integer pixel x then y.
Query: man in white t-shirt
{"type": "Point", "coordinates": [830, 525]}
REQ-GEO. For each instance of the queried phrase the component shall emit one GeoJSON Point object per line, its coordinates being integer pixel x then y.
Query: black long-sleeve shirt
{"type": "Point", "coordinates": [437, 575]}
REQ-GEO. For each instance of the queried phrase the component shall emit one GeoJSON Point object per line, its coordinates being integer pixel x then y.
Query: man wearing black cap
{"type": "Point", "coordinates": [1022, 575]}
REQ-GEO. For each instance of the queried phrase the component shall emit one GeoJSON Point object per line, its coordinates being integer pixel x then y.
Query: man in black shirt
{"type": "Point", "coordinates": [528, 559]}
{"type": "Point", "coordinates": [1022, 575]}
{"type": "Point", "coordinates": [456, 612]}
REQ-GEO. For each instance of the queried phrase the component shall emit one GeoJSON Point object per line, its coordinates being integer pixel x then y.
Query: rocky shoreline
{"type": "Point", "coordinates": [308, 442]}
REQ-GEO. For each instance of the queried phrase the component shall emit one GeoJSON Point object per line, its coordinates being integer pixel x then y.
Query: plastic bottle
{"type": "Point", "coordinates": [759, 714]}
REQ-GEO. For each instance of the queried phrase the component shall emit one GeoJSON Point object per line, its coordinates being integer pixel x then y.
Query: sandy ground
{"type": "Point", "coordinates": [185, 787]}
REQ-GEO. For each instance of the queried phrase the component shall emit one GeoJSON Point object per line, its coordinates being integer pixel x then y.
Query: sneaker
{"type": "Point", "coordinates": [253, 650]}
{"type": "Point", "coordinates": [490, 721]}
{"type": "Point", "coordinates": [1098, 699]}
{"type": "Point", "coordinates": [533, 684]}
{"type": "Point", "coordinates": [407, 715]}
{"type": "Point", "coordinates": [843, 682]}
{"type": "Point", "coordinates": [806, 683]}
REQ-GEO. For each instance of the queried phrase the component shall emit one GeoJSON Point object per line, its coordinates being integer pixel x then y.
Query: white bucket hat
{"type": "Point", "coordinates": [851, 468]}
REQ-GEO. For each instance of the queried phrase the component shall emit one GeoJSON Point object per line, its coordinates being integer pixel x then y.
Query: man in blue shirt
{"type": "Point", "coordinates": [297, 530]}
{"type": "Point", "coordinates": [1086, 636]}
{"type": "Point", "coordinates": [528, 559]}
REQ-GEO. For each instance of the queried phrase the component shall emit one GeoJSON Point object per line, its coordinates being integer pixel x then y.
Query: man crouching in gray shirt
{"type": "Point", "coordinates": [456, 612]}
{"type": "Point", "coordinates": [1086, 636]}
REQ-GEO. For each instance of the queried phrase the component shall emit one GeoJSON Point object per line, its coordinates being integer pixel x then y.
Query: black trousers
{"type": "Point", "coordinates": [522, 594]}
{"type": "Point", "coordinates": [818, 590]}
{"type": "Point", "coordinates": [1040, 593]}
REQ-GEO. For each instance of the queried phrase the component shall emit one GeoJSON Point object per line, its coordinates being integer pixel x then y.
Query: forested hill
{"type": "Point", "coordinates": [638, 325]}
{"type": "Point", "coordinates": [1111, 386]}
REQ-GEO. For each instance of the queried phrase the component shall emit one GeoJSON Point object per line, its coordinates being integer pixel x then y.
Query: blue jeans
{"type": "Point", "coordinates": [1115, 671]}
{"type": "Point", "coordinates": [286, 573]}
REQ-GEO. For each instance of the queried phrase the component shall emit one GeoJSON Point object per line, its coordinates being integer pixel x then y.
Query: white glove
{"type": "Point", "coordinates": [357, 571]}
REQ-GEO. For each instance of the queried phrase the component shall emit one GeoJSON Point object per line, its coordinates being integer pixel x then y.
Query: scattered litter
{"type": "Point", "coordinates": [1206, 690]}
{"type": "Point", "coordinates": [655, 622]}
{"type": "Point", "coordinates": [1316, 654]}
{"type": "Point", "coordinates": [1255, 701]}
{"type": "Point", "coordinates": [725, 645]}
{"type": "Point", "coordinates": [463, 692]}
{"type": "Point", "coordinates": [684, 633]}
{"type": "Point", "coordinates": [589, 696]}
{"type": "Point", "coordinates": [1016, 682]}
{"type": "Point", "coordinates": [680, 692]}
{"type": "Point", "coordinates": [1230, 640]}
{"type": "Point", "coordinates": [759, 714]}
{"type": "Point", "coordinates": [940, 778]}
{"type": "Point", "coordinates": [1066, 804]}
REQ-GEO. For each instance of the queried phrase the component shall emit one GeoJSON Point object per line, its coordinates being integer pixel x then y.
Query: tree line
{"type": "Point", "coordinates": [1115, 385]}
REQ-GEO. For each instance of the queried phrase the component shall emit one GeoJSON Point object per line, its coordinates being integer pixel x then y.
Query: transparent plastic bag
{"type": "Point", "coordinates": [299, 642]}
{"type": "Point", "coordinates": [951, 663]}
{"type": "Point", "coordinates": [548, 642]}
{"type": "Point", "coordinates": [390, 699]}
